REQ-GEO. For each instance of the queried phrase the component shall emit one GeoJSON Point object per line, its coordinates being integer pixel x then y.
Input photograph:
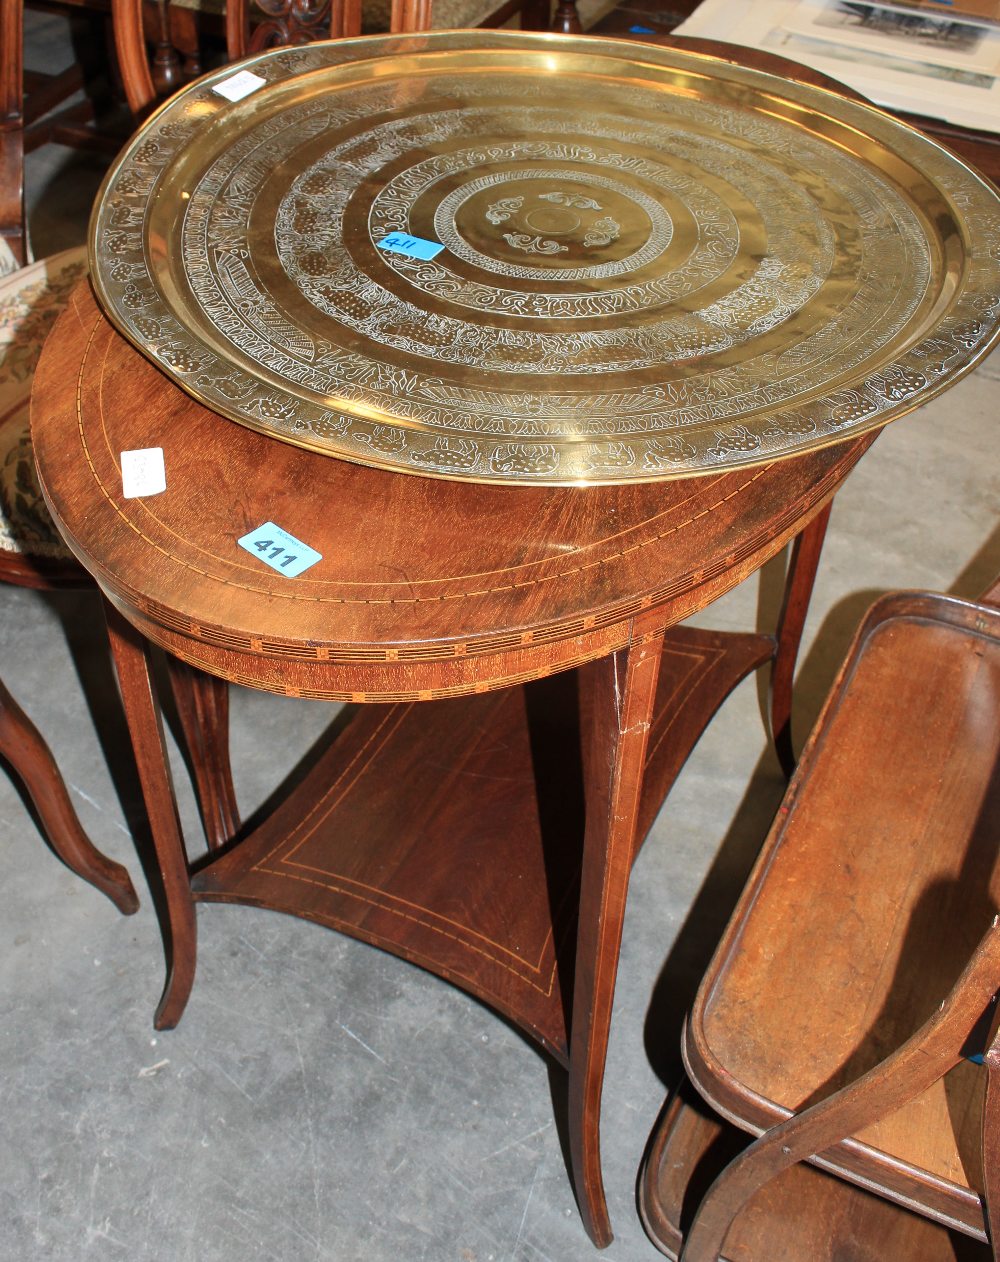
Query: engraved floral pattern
{"type": "Point", "coordinates": [570, 199]}
{"type": "Point", "coordinates": [603, 232]}
{"type": "Point", "coordinates": [533, 245]}
{"type": "Point", "coordinates": [501, 211]}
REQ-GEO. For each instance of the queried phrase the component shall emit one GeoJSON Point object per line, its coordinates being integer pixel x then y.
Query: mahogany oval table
{"type": "Point", "coordinates": [489, 836]}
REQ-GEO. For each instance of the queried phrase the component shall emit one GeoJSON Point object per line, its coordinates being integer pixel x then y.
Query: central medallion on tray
{"type": "Point", "coordinates": [552, 224]}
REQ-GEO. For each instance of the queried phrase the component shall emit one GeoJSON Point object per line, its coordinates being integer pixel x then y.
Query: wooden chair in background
{"type": "Point", "coordinates": [23, 748]}
{"type": "Point", "coordinates": [856, 976]}
{"type": "Point", "coordinates": [31, 552]}
{"type": "Point", "coordinates": [159, 50]}
{"type": "Point", "coordinates": [38, 108]}
{"type": "Point", "coordinates": [33, 555]}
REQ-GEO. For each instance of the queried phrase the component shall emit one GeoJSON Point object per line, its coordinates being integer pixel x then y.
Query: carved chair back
{"type": "Point", "coordinates": [251, 26]}
{"type": "Point", "coordinates": [36, 108]}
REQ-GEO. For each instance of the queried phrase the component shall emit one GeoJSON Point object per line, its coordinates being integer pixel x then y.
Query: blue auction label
{"type": "Point", "coordinates": [280, 550]}
{"type": "Point", "coordinates": [415, 247]}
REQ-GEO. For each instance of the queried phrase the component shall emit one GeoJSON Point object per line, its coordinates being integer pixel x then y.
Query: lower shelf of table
{"type": "Point", "coordinates": [803, 1215]}
{"type": "Point", "coordinates": [450, 833]}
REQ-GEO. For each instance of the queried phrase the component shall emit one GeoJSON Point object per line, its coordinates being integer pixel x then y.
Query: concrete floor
{"type": "Point", "coordinates": [321, 1100]}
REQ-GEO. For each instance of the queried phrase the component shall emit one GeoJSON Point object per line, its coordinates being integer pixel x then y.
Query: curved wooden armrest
{"type": "Point", "coordinates": [924, 1058]}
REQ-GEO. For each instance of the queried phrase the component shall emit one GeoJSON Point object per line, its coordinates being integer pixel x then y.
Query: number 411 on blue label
{"type": "Point", "coordinates": [415, 247]}
{"type": "Point", "coordinates": [280, 550]}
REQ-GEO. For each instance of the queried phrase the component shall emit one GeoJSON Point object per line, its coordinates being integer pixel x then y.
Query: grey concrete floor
{"type": "Point", "coordinates": [321, 1100]}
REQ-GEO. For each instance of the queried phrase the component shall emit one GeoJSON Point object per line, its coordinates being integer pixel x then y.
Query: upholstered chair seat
{"type": "Point", "coordinates": [30, 300]}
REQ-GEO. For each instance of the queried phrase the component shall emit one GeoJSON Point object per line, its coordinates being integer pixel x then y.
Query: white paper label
{"type": "Point", "coordinates": [237, 86]}
{"type": "Point", "coordinates": [143, 472]}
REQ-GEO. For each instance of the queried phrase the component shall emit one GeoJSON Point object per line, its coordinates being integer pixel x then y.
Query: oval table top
{"type": "Point", "coordinates": [425, 588]}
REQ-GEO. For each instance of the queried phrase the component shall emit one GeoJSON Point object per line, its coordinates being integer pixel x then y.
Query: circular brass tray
{"type": "Point", "coordinates": [655, 263]}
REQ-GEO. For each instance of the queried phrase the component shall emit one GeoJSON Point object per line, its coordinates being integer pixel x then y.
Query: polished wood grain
{"type": "Point", "coordinates": [490, 837]}
{"type": "Point", "coordinates": [566, 19]}
{"type": "Point", "coordinates": [857, 969]}
{"type": "Point", "coordinates": [202, 704]}
{"type": "Point", "coordinates": [807, 549]}
{"type": "Point", "coordinates": [468, 587]}
{"type": "Point", "coordinates": [465, 591]}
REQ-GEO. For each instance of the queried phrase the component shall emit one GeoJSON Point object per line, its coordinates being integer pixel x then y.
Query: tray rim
{"type": "Point", "coordinates": [979, 338]}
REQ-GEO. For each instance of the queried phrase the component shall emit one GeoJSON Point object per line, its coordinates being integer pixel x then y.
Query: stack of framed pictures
{"type": "Point", "coordinates": [934, 57]}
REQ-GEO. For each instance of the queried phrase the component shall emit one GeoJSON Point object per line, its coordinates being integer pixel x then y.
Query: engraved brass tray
{"type": "Point", "coordinates": [655, 263]}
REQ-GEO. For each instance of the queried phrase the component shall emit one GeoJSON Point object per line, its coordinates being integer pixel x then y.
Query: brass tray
{"type": "Point", "coordinates": [655, 263]}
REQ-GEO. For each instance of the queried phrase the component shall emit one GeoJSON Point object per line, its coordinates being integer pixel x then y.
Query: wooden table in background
{"type": "Point", "coordinates": [487, 836]}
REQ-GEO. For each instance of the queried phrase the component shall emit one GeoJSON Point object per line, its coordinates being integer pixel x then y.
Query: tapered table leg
{"type": "Point", "coordinates": [202, 703]}
{"type": "Point", "coordinates": [23, 747]}
{"type": "Point", "coordinates": [806, 551]}
{"type": "Point", "coordinates": [617, 696]}
{"type": "Point", "coordinates": [130, 652]}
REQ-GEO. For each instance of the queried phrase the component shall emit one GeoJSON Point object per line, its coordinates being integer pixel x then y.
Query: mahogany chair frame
{"type": "Point", "coordinates": [24, 749]}
{"type": "Point", "coordinates": [147, 80]}
{"type": "Point", "coordinates": [30, 116]}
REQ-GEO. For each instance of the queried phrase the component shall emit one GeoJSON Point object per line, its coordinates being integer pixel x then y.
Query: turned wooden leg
{"type": "Point", "coordinates": [410, 15]}
{"type": "Point", "coordinates": [12, 224]}
{"type": "Point", "coordinates": [345, 21]}
{"type": "Point", "coordinates": [22, 745]}
{"type": "Point", "coordinates": [566, 20]}
{"type": "Point", "coordinates": [203, 709]}
{"type": "Point", "coordinates": [142, 713]}
{"type": "Point", "coordinates": [617, 695]}
{"type": "Point", "coordinates": [802, 568]}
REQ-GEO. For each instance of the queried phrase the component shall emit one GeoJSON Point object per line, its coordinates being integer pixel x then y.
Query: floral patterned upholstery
{"type": "Point", "coordinates": [7, 260]}
{"type": "Point", "coordinates": [30, 300]}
